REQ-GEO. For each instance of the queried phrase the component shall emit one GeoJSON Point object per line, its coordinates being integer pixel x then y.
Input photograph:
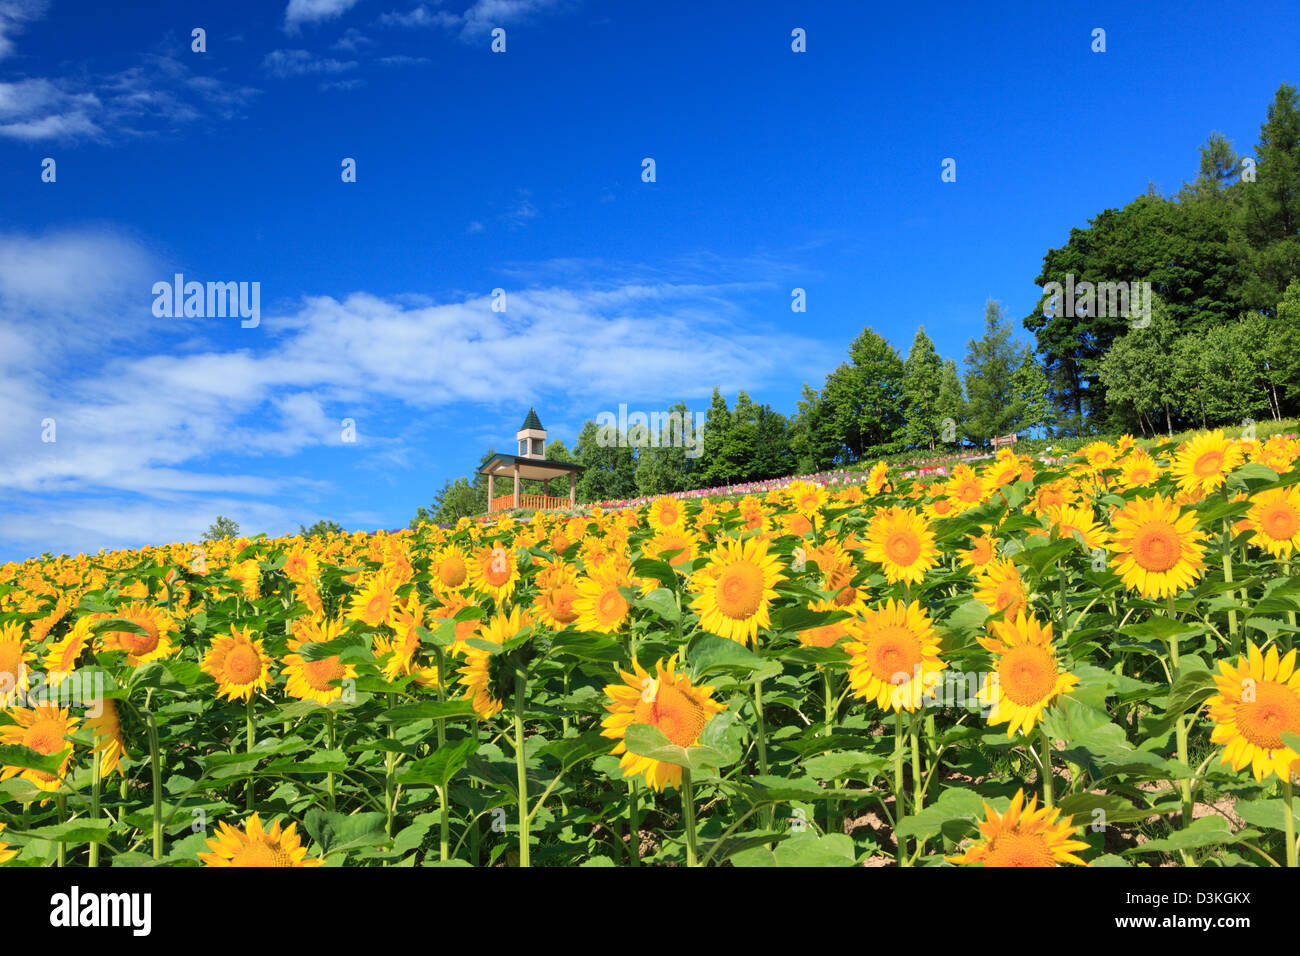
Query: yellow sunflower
{"type": "Point", "coordinates": [1203, 463]}
{"type": "Point", "coordinates": [1023, 836]}
{"type": "Point", "coordinates": [152, 645]}
{"type": "Point", "coordinates": [449, 568]}
{"type": "Point", "coordinates": [255, 846]}
{"type": "Point", "coordinates": [666, 512]}
{"type": "Point", "coordinates": [110, 744]}
{"type": "Point", "coordinates": [1258, 700]}
{"type": "Point", "coordinates": [1158, 550]}
{"type": "Point", "coordinates": [893, 655]}
{"type": "Point", "coordinates": [598, 603]}
{"type": "Point", "coordinates": [900, 540]}
{"type": "Point", "coordinates": [373, 603]}
{"type": "Point", "coordinates": [999, 587]}
{"type": "Point", "coordinates": [736, 588]}
{"type": "Point", "coordinates": [43, 729]}
{"type": "Point", "coordinates": [238, 664]}
{"type": "Point", "coordinates": [555, 605]}
{"type": "Point", "coordinates": [494, 572]}
{"type": "Point", "coordinates": [319, 680]}
{"type": "Point", "coordinates": [61, 657]}
{"type": "Point", "coordinates": [1274, 516]}
{"type": "Point", "coordinates": [484, 687]}
{"type": "Point", "coordinates": [667, 701]}
{"type": "Point", "coordinates": [1026, 677]}
{"type": "Point", "coordinates": [14, 658]}
{"type": "Point", "coordinates": [824, 635]}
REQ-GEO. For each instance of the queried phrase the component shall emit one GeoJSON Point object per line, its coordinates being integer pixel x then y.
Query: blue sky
{"type": "Point", "coordinates": [522, 171]}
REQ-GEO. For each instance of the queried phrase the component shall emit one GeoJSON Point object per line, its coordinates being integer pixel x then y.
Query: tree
{"type": "Point", "coordinates": [990, 365]}
{"type": "Point", "coordinates": [1031, 404]}
{"type": "Point", "coordinates": [1270, 214]}
{"type": "Point", "coordinates": [221, 529]}
{"type": "Point", "coordinates": [950, 407]}
{"type": "Point", "coordinates": [321, 528]}
{"type": "Point", "coordinates": [922, 378]}
{"type": "Point", "coordinates": [663, 465]}
{"type": "Point", "coordinates": [717, 428]}
{"type": "Point", "coordinates": [812, 434]}
{"type": "Point", "coordinates": [609, 462]}
{"type": "Point", "coordinates": [1137, 375]}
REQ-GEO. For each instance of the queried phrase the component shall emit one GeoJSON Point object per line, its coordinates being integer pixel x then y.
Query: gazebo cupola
{"type": "Point", "coordinates": [532, 437]}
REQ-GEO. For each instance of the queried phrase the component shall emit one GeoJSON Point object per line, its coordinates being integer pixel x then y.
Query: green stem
{"type": "Point", "coordinates": [1047, 768]}
{"type": "Point", "coordinates": [155, 761]}
{"type": "Point", "coordinates": [831, 706]}
{"type": "Point", "coordinates": [1288, 815]}
{"type": "Point", "coordinates": [390, 778]}
{"type": "Point", "coordinates": [634, 823]}
{"type": "Point", "coordinates": [330, 785]}
{"type": "Point", "coordinates": [61, 803]}
{"type": "Point", "coordinates": [898, 785]}
{"type": "Point", "coordinates": [444, 824]}
{"type": "Point", "coordinates": [688, 815]}
{"type": "Point", "coordinates": [520, 687]}
{"type": "Point", "coordinates": [918, 782]}
{"type": "Point", "coordinates": [1180, 733]}
{"type": "Point", "coordinates": [769, 812]}
{"type": "Point", "coordinates": [252, 739]}
{"type": "Point", "coordinates": [1227, 577]}
{"type": "Point", "coordinates": [95, 786]}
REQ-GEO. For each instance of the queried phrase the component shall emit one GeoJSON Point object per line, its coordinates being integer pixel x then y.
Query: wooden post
{"type": "Point", "coordinates": [516, 484]}
{"type": "Point", "coordinates": [490, 477]}
{"type": "Point", "coordinates": [573, 486]}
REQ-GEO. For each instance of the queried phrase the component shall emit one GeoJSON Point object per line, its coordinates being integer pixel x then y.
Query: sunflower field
{"type": "Point", "coordinates": [1084, 661]}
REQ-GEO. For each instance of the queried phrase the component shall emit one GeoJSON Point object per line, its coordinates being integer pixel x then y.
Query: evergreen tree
{"type": "Point", "coordinates": [922, 378]}
{"type": "Point", "coordinates": [990, 365]}
{"type": "Point", "coordinates": [950, 407]}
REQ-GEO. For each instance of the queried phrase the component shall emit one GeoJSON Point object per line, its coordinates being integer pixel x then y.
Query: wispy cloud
{"type": "Point", "coordinates": [314, 11]}
{"type": "Point", "coordinates": [14, 14]}
{"type": "Point", "coordinates": [478, 18]}
{"type": "Point", "coordinates": [188, 427]}
{"type": "Point", "coordinates": [285, 63]}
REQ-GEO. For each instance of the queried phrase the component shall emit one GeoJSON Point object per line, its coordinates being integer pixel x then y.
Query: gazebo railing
{"type": "Point", "coordinates": [536, 502]}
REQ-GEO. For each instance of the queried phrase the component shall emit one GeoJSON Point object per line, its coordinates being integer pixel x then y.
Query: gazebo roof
{"type": "Point", "coordinates": [532, 421]}
{"type": "Point", "coordinates": [533, 468]}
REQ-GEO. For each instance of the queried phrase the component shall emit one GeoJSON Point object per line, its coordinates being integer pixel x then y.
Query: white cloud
{"type": "Point", "coordinates": [285, 63]}
{"type": "Point", "coordinates": [315, 11]}
{"type": "Point", "coordinates": [152, 424]}
{"type": "Point", "coordinates": [478, 18]}
{"type": "Point", "coordinates": [13, 14]}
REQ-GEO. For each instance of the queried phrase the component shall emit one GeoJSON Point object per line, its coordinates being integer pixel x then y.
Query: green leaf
{"type": "Point", "coordinates": [646, 740]}
{"type": "Point", "coordinates": [663, 603]}
{"type": "Point", "coordinates": [16, 755]}
{"type": "Point", "coordinates": [1206, 831]}
{"type": "Point", "coordinates": [1268, 814]}
{"type": "Point", "coordinates": [950, 815]}
{"type": "Point", "coordinates": [841, 765]}
{"type": "Point", "coordinates": [440, 766]}
{"type": "Point", "coordinates": [427, 710]}
{"type": "Point", "coordinates": [74, 831]}
{"type": "Point", "coordinates": [709, 653]}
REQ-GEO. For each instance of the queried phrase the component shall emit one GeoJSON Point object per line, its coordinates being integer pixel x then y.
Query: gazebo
{"type": "Point", "coordinates": [530, 463]}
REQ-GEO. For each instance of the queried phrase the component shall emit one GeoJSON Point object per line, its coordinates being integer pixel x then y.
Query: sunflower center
{"type": "Point", "coordinates": [318, 674]}
{"type": "Point", "coordinates": [243, 664]}
{"type": "Point", "coordinates": [1208, 463]}
{"type": "Point", "coordinates": [903, 547]}
{"type": "Point", "coordinates": [1157, 546]}
{"type": "Point", "coordinates": [845, 597]}
{"type": "Point", "coordinates": [740, 590]}
{"type": "Point", "coordinates": [451, 572]}
{"type": "Point", "coordinates": [1280, 523]}
{"type": "Point", "coordinates": [677, 714]}
{"type": "Point", "coordinates": [1012, 848]}
{"type": "Point", "coordinates": [45, 737]}
{"type": "Point", "coordinates": [1027, 674]}
{"type": "Point", "coordinates": [377, 606]}
{"type": "Point", "coordinates": [1276, 708]}
{"type": "Point", "coordinates": [895, 654]}
{"type": "Point", "coordinates": [497, 573]}
{"type": "Point", "coordinates": [139, 643]}
{"type": "Point", "coordinates": [257, 853]}
{"type": "Point", "coordinates": [561, 601]}
{"type": "Point", "coordinates": [611, 605]}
